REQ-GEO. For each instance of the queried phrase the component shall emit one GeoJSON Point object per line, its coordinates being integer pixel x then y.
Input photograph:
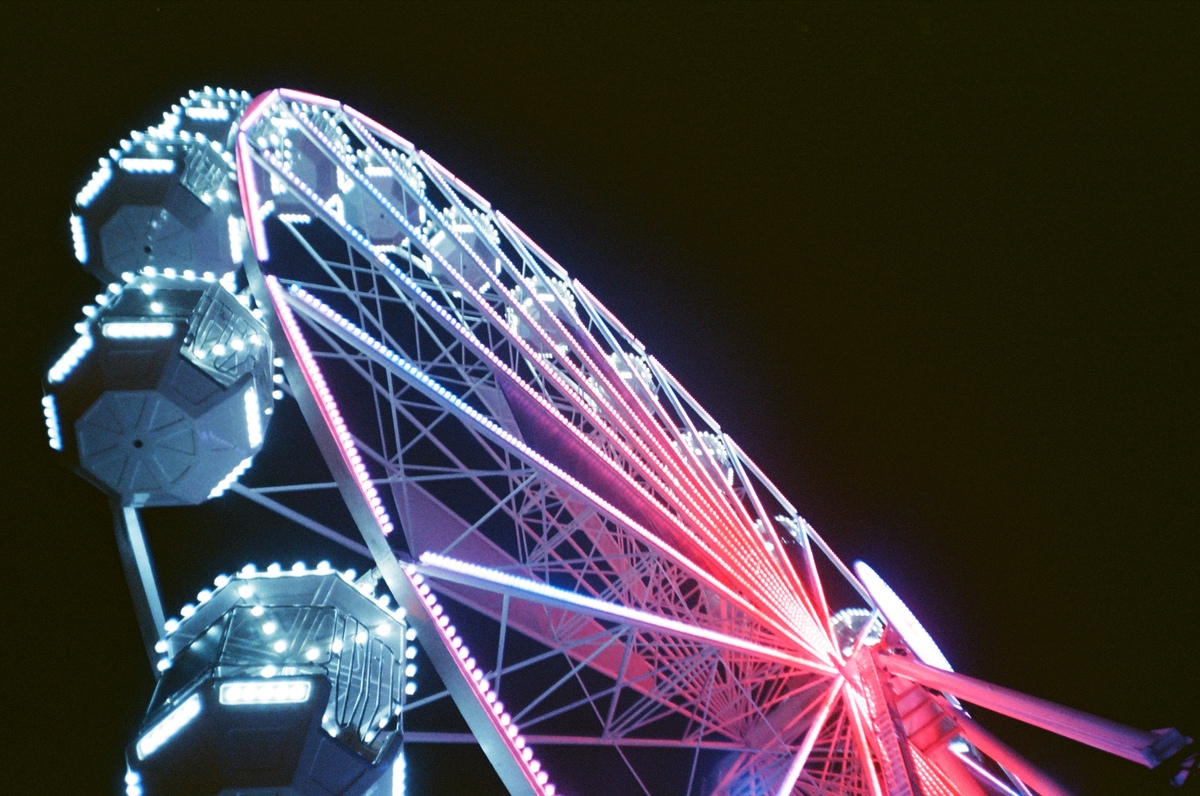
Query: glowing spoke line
{"type": "Point", "coordinates": [810, 739]}
{"type": "Point", "coordinates": [860, 720]}
{"type": "Point", "coordinates": [467, 574]}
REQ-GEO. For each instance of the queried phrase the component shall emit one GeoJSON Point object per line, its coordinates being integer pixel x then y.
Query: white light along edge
{"type": "Point", "coordinates": [233, 475]}
{"type": "Point", "coordinates": [207, 114]}
{"type": "Point", "coordinates": [67, 362]}
{"type": "Point", "coordinates": [50, 411]}
{"type": "Point", "coordinates": [474, 675]}
{"type": "Point", "coordinates": [148, 165]}
{"type": "Point", "coordinates": [169, 727]}
{"type": "Point", "coordinates": [96, 184]}
{"type": "Point", "coordinates": [901, 618]}
{"type": "Point", "coordinates": [78, 239]}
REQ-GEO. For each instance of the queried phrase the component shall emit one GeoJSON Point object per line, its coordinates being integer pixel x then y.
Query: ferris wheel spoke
{"type": "Point", "coordinates": [443, 567]}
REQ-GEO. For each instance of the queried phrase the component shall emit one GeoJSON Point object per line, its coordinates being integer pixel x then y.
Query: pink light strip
{"type": "Point", "coordinates": [506, 728]}
{"type": "Point", "coordinates": [436, 565]}
{"type": "Point", "coordinates": [328, 406]}
{"type": "Point", "coordinates": [309, 99]}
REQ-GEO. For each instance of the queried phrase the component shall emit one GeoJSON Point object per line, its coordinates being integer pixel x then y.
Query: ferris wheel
{"type": "Point", "coordinates": [598, 575]}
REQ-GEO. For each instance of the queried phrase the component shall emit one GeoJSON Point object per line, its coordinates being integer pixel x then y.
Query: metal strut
{"type": "Point", "coordinates": [139, 573]}
{"type": "Point", "coordinates": [1140, 746]}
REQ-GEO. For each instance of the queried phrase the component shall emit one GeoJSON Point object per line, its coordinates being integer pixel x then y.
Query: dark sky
{"type": "Point", "coordinates": [934, 267]}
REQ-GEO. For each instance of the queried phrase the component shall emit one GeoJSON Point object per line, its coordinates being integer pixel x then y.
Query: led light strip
{"type": "Point", "coordinates": [147, 165]}
{"type": "Point", "coordinates": [233, 475]}
{"type": "Point", "coordinates": [137, 330]}
{"type": "Point", "coordinates": [78, 239]}
{"type": "Point", "coordinates": [207, 114]}
{"type": "Point", "coordinates": [328, 407]}
{"type": "Point", "coordinates": [234, 225]}
{"type": "Point", "coordinates": [473, 674]}
{"type": "Point", "coordinates": [254, 430]}
{"type": "Point", "coordinates": [168, 728]}
{"type": "Point", "coordinates": [96, 184]}
{"type": "Point", "coordinates": [264, 692]}
{"type": "Point", "coordinates": [50, 410]}
{"type": "Point", "coordinates": [67, 362]}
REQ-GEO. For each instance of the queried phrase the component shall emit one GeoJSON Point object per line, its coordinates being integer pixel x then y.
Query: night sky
{"type": "Point", "coordinates": [934, 267]}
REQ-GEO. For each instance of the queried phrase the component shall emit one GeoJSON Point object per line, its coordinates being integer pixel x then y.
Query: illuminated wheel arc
{"type": "Point", "coordinates": [545, 472]}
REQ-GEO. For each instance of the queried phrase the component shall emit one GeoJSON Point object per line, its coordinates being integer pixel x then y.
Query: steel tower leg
{"type": "Point", "coordinates": [139, 573]}
{"type": "Point", "coordinates": [1140, 746]}
{"type": "Point", "coordinates": [1009, 758]}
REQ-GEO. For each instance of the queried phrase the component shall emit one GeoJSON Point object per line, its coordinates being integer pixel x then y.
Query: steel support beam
{"type": "Point", "coordinates": [139, 573]}
{"type": "Point", "coordinates": [1147, 748]}
{"type": "Point", "coordinates": [1009, 758]}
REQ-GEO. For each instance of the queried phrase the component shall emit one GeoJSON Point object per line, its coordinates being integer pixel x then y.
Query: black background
{"type": "Point", "coordinates": [933, 266]}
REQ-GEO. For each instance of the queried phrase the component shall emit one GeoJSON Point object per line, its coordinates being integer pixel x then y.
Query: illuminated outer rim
{"type": "Point", "coordinates": [901, 619]}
